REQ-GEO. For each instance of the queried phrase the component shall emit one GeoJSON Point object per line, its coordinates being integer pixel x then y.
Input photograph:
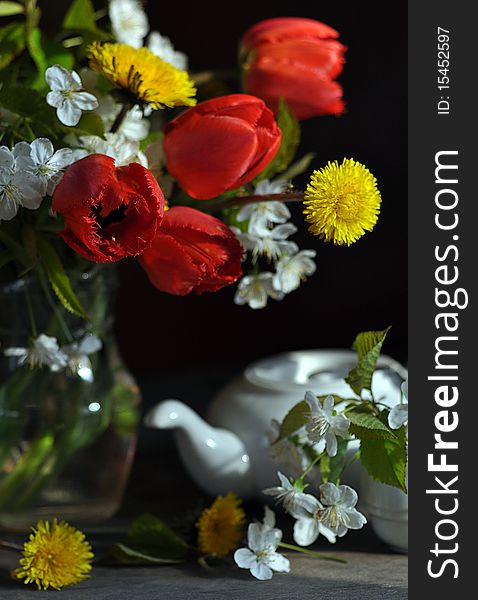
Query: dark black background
{"type": "Point", "coordinates": [354, 289]}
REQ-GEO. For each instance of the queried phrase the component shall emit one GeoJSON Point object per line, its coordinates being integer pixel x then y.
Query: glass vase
{"type": "Point", "coordinates": [67, 436]}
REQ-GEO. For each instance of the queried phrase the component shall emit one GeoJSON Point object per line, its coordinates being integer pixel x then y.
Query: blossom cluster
{"type": "Point", "coordinates": [104, 174]}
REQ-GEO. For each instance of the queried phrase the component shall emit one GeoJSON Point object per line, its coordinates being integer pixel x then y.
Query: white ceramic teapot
{"type": "Point", "coordinates": [231, 451]}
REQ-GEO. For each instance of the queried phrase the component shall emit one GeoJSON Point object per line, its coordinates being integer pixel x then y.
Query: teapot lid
{"type": "Point", "coordinates": [321, 371]}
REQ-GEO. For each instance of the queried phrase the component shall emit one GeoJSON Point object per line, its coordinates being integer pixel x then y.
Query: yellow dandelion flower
{"type": "Point", "coordinates": [342, 202]}
{"type": "Point", "coordinates": [142, 73]}
{"type": "Point", "coordinates": [220, 526]}
{"type": "Point", "coordinates": [55, 556]}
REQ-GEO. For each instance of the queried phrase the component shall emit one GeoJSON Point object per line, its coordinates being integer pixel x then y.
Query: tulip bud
{"type": "Point", "coordinates": [192, 251]}
{"type": "Point", "coordinates": [295, 59]}
{"type": "Point", "coordinates": [220, 144]}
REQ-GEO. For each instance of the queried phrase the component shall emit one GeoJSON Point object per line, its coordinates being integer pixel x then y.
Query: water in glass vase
{"type": "Point", "coordinates": [68, 406]}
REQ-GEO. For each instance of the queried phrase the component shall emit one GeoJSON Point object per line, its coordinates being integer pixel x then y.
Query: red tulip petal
{"type": "Point", "coordinates": [169, 267]}
{"type": "Point", "coordinates": [207, 155]}
{"type": "Point", "coordinates": [306, 93]}
{"type": "Point", "coordinates": [192, 250]}
{"type": "Point", "coordinates": [324, 58]}
{"type": "Point", "coordinates": [83, 181]}
{"type": "Point", "coordinates": [282, 28]}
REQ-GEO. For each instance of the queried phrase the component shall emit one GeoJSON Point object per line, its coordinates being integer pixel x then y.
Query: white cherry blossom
{"type": "Point", "coordinates": [285, 453]}
{"type": "Point", "coordinates": [78, 356]}
{"type": "Point", "coordinates": [339, 513]}
{"type": "Point", "coordinates": [124, 151]}
{"type": "Point", "coordinates": [128, 22]}
{"type": "Point", "coordinates": [43, 351]}
{"type": "Point", "coordinates": [309, 526]}
{"type": "Point", "coordinates": [262, 214]}
{"type": "Point", "coordinates": [161, 46]}
{"type": "Point", "coordinates": [322, 424]}
{"type": "Point", "coordinates": [271, 243]}
{"type": "Point", "coordinates": [261, 556]}
{"type": "Point", "coordinates": [398, 416]}
{"type": "Point", "coordinates": [294, 501]}
{"type": "Point", "coordinates": [67, 96]}
{"type": "Point", "coordinates": [292, 270]}
{"type": "Point", "coordinates": [255, 290]}
{"type": "Point", "coordinates": [18, 185]}
{"type": "Point", "coordinates": [49, 164]}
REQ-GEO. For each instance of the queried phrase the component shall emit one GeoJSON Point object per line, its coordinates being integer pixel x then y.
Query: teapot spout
{"type": "Point", "coordinates": [216, 459]}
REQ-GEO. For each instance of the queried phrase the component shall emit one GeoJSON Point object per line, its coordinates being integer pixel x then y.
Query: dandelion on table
{"type": "Point", "coordinates": [56, 555]}
{"type": "Point", "coordinates": [220, 526]}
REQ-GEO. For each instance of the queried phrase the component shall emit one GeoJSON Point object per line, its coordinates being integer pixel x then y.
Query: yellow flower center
{"type": "Point", "coordinates": [142, 73]}
{"type": "Point", "coordinates": [56, 555]}
{"type": "Point", "coordinates": [220, 526]}
{"type": "Point", "coordinates": [342, 202]}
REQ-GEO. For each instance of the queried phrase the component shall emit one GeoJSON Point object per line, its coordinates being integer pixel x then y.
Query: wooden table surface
{"type": "Point", "coordinates": [158, 484]}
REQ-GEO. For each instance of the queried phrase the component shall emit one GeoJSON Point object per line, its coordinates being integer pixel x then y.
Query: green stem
{"type": "Point", "coordinates": [309, 468]}
{"type": "Point", "coordinates": [204, 77]}
{"type": "Point", "coordinates": [11, 546]}
{"type": "Point", "coordinates": [354, 457]}
{"type": "Point", "coordinates": [120, 118]}
{"type": "Point", "coordinates": [53, 304]}
{"type": "Point", "coordinates": [223, 203]}
{"type": "Point", "coordinates": [31, 314]}
{"type": "Point", "coordinates": [311, 552]}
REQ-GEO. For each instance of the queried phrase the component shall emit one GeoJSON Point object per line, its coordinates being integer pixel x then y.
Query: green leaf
{"type": "Point", "coordinates": [332, 467]}
{"type": "Point", "coordinates": [298, 167]}
{"type": "Point", "coordinates": [29, 104]}
{"type": "Point", "coordinates": [385, 459]}
{"type": "Point", "coordinates": [12, 43]}
{"type": "Point", "coordinates": [368, 345]}
{"type": "Point", "coordinates": [80, 16]}
{"type": "Point", "coordinates": [5, 257]}
{"type": "Point", "coordinates": [294, 420]}
{"type": "Point", "coordinates": [366, 426]}
{"type": "Point", "coordinates": [90, 124]}
{"type": "Point", "coordinates": [9, 240]}
{"type": "Point", "coordinates": [150, 541]}
{"type": "Point", "coordinates": [8, 9]}
{"type": "Point", "coordinates": [36, 51]}
{"type": "Point", "coordinates": [153, 138]}
{"type": "Point", "coordinates": [59, 279]}
{"type": "Point", "coordinates": [148, 533]}
{"type": "Point", "coordinates": [56, 54]}
{"type": "Point", "coordinates": [290, 128]}
{"type": "Point", "coordinates": [123, 554]}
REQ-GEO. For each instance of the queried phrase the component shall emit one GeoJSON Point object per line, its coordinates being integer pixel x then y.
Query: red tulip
{"type": "Point", "coordinates": [109, 212]}
{"type": "Point", "coordinates": [192, 251]}
{"type": "Point", "coordinates": [220, 144]}
{"type": "Point", "coordinates": [295, 59]}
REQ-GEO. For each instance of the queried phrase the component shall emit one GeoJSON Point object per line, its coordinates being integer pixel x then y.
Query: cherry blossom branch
{"type": "Point", "coordinates": [243, 200]}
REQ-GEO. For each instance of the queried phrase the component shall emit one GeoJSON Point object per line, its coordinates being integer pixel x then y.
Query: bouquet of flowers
{"type": "Point", "coordinates": [112, 150]}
